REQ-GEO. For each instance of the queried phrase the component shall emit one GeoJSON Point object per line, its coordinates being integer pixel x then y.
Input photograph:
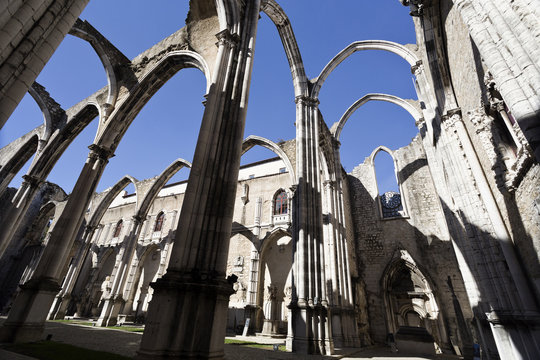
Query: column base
{"type": "Point", "coordinates": [110, 311]}
{"type": "Point", "coordinates": [187, 318]}
{"type": "Point", "coordinates": [26, 320]}
{"type": "Point", "coordinates": [59, 307]}
{"type": "Point", "coordinates": [311, 330]}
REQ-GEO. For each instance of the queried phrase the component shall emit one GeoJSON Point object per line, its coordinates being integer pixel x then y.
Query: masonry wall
{"type": "Point", "coordinates": [422, 233]}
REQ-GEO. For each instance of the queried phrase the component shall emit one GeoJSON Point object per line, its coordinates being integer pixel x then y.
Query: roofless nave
{"type": "Point", "coordinates": [302, 248]}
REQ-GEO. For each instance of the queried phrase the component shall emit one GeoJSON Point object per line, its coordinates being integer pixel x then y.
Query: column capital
{"type": "Point", "coordinates": [451, 117]}
{"type": "Point", "coordinates": [417, 68]}
{"type": "Point", "coordinates": [100, 152]}
{"type": "Point", "coordinates": [329, 183]}
{"type": "Point", "coordinates": [225, 37]}
{"type": "Point", "coordinates": [306, 100]}
{"type": "Point", "coordinates": [417, 6]}
{"type": "Point", "coordinates": [32, 180]}
{"type": "Point", "coordinates": [137, 219]}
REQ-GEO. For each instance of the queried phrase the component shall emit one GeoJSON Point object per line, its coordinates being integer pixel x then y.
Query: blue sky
{"type": "Point", "coordinates": [168, 125]}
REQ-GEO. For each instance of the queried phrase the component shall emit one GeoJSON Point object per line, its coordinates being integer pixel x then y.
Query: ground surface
{"type": "Point", "coordinates": [126, 344]}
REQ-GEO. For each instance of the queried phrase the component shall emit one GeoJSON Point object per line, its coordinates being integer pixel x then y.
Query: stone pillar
{"type": "Point", "coordinates": [17, 209]}
{"type": "Point", "coordinates": [61, 302]}
{"type": "Point", "coordinates": [26, 319]}
{"type": "Point", "coordinates": [30, 32]}
{"type": "Point", "coordinates": [503, 298]}
{"type": "Point", "coordinates": [510, 57]}
{"type": "Point", "coordinates": [188, 313]}
{"type": "Point", "coordinates": [310, 329]}
{"type": "Point", "coordinates": [114, 303]}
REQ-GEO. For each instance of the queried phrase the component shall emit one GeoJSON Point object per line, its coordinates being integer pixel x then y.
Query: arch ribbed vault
{"type": "Point", "coordinates": [110, 195]}
{"type": "Point", "coordinates": [390, 46]}
{"type": "Point", "coordinates": [158, 184]}
{"type": "Point", "coordinates": [410, 108]}
{"type": "Point", "coordinates": [253, 140]}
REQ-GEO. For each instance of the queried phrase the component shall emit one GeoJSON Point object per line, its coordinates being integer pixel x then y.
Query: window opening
{"type": "Point", "coordinates": [118, 229]}
{"type": "Point", "coordinates": [389, 196]}
{"type": "Point", "coordinates": [159, 222]}
{"type": "Point", "coordinates": [281, 203]}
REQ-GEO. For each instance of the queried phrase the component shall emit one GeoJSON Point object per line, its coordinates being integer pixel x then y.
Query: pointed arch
{"type": "Point", "coordinates": [404, 270]}
{"type": "Point", "coordinates": [292, 51]}
{"type": "Point", "coordinates": [158, 184]}
{"type": "Point", "coordinates": [111, 58]}
{"type": "Point", "coordinates": [112, 131]}
{"type": "Point", "coordinates": [391, 204]}
{"type": "Point", "coordinates": [405, 104]}
{"type": "Point", "coordinates": [389, 46]}
{"type": "Point", "coordinates": [60, 140]}
{"type": "Point", "coordinates": [17, 161]}
{"type": "Point", "coordinates": [253, 140]}
{"type": "Point", "coordinates": [108, 198]}
{"type": "Point", "coordinates": [53, 115]}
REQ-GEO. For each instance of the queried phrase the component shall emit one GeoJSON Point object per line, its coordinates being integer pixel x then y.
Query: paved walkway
{"type": "Point", "coordinates": [127, 343]}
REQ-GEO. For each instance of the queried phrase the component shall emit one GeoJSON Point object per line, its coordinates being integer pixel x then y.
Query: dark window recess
{"type": "Point", "coordinates": [391, 204]}
{"type": "Point", "coordinates": [159, 221]}
{"type": "Point", "coordinates": [281, 203]}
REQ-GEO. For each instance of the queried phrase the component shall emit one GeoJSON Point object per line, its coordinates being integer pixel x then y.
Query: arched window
{"type": "Point", "coordinates": [159, 221]}
{"type": "Point", "coordinates": [118, 229]}
{"type": "Point", "coordinates": [281, 203]}
{"type": "Point", "coordinates": [387, 184]}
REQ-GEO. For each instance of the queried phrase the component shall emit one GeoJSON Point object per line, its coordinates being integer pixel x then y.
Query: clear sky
{"type": "Point", "coordinates": [168, 125]}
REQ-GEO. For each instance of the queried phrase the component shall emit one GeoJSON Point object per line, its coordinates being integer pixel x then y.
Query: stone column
{"type": "Point", "coordinates": [26, 319]}
{"type": "Point", "coordinates": [61, 302]}
{"type": "Point", "coordinates": [17, 209]}
{"type": "Point", "coordinates": [188, 313]}
{"type": "Point", "coordinates": [503, 298]}
{"type": "Point", "coordinates": [30, 33]}
{"type": "Point", "coordinates": [115, 302]}
{"type": "Point", "coordinates": [310, 330]}
{"type": "Point", "coordinates": [510, 59]}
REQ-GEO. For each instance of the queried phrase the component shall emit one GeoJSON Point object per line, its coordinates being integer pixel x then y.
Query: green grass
{"type": "Point", "coordinates": [127, 328]}
{"type": "Point", "coordinates": [136, 329]}
{"type": "Point", "coordinates": [76, 322]}
{"type": "Point", "coordinates": [50, 350]}
{"type": "Point", "coordinates": [253, 344]}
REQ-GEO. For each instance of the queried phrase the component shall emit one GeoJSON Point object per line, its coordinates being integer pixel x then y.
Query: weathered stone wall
{"type": "Point", "coordinates": [422, 233]}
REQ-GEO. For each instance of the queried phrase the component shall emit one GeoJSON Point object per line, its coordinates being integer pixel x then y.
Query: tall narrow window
{"type": "Point", "coordinates": [159, 221]}
{"type": "Point", "coordinates": [118, 229]}
{"type": "Point", "coordinates": [389, 196]}
{"type": "Point", "coordinates": [281, 203]}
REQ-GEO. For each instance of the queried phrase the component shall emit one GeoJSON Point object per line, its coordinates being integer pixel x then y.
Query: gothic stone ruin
{"type": "Point", "coordinates": [295, 244]}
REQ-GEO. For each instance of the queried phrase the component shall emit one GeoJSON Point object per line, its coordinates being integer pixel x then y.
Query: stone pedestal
{"type": "Point", "coordinates": [192, 318]}
{"type": "Point", "coordinates": [26, 320]}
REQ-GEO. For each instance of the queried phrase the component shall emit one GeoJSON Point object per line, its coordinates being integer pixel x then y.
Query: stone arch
{"type": "Point", "coordinates": [142, 275]}
{"type": "Point", "coordinates": [112, 131]}
{"type": "Point", "coordinates": [415, 282]}
{"type": "Point", "coordinates": [292, 51]}
{"type": "Point", "coordinates": [403, 211]}
{"type": "Point", "coordinates": [111, 59]}
{"type": "Point", "coordinates": [389, 46]}
{"type": "Point", "coordinates": [274, 273]}
{"type": "Point", "coordinates": [158, 184]}
{"type": "Point", "coordinates": [108, 198]}
{"type": "Point", "coordinates": [405, 104]}
{"type": "Point", "coordinates": [62, 138]}
{"type": "Point", "coordinates": [253, 140]}
{"type": "Point", "coordinates": [17, 161]}
{"type": "Point", "coordinates": [53, 115]}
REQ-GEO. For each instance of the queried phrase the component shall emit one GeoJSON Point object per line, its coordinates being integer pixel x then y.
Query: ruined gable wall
{"type": "Point", "coordinates": [423, 234]}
